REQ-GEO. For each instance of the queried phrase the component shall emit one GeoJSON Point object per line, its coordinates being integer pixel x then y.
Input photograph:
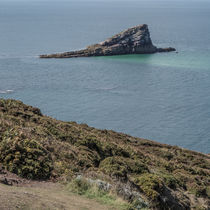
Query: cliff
{"type": "Point", "coordinates": [143, 172]}
{"type": "Point", "coordinates": [134, 40]}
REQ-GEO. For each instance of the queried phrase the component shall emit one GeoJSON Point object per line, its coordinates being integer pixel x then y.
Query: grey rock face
{"type": "Point", "coordinates": [135, 40]}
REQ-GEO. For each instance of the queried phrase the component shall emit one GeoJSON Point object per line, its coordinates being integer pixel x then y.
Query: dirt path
{"type": "Point", "coordinates": [46, 196]}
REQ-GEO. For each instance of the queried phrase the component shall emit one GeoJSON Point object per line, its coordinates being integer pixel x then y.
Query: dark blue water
{"type": "Point", "coordinates": [164, 97]}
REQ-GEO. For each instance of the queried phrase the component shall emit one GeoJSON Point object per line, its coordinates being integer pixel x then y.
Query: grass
{"type": "Point", "coordinates": [92, 191]}
{"type": "Point", "coordinates": [46, 196]}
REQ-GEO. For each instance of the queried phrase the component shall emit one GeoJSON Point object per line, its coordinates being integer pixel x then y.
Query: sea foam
{"type": "Point", "coordinates": [6, 91]}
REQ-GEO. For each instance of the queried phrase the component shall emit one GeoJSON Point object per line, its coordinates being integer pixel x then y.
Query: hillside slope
{"type": "Point", "coordinates": [38, 147]}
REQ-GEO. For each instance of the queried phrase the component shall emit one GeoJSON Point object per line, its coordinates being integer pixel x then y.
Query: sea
{"type": "Point", "coordinates": [163, 97]}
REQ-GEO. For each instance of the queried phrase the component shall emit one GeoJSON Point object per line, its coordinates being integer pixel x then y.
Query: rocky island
{"type": "Point", "coordinates": [135, 40]}
{"type": "Point", "coordinates": [37, 152]}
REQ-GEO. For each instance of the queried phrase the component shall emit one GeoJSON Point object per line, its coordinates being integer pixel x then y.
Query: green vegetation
{"type": "Point", "coordinates": [92, 191]}
{"type": "Point", "coordinates": [46, 196]}
{"type": "Point", "coordinates": [38, 147]}
{"type": "Point", "coordinates": [150, 184]}
{"type": "Point", "coordinates": [119, 166]}
{"type": "Point", "coordinates": [25, 157]}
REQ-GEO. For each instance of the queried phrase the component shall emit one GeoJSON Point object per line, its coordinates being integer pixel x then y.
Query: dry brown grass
{"type": "Point", "coordinates": [45, 196]}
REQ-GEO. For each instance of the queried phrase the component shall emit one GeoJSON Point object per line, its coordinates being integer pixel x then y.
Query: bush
{"type": "Point", "coordinates": [113, 166]}
{"type": "Point", "coordinates": [79, 186]}
{"type": "Point", "coordinates": [26, 158]}
{"type": "Point", "coordinates": [120, 167]}
{"type": "Point", "coordinates": [150, 184]}
{"type": "Point", "coordinates": [171, 181]}
{"type": "Point", "coordinates": [201, 191]}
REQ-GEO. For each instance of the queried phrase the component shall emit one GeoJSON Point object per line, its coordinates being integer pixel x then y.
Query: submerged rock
{"type": "Point", "coordinates": [135, 40]}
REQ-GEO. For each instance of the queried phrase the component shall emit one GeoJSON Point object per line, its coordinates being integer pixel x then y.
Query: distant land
{"type": "Point", "coordinates": [135, 40]}
{"type": "Point", "coordinates": [36, 150]}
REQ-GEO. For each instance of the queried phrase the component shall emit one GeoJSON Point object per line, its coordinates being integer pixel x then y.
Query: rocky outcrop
{"type": "Point", "coordinates": [135, 40]}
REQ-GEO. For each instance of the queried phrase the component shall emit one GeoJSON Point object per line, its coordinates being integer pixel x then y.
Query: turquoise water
{"type": "Point", "coordinates": [186, 60]}
{"type": "Point", "coordinates": [164, 97]}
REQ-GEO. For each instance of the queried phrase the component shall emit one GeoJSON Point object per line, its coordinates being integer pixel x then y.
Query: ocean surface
{"type": "Point", "coordinates": [164, 97]}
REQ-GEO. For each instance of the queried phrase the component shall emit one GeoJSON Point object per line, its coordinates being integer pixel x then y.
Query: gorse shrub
{"type": "Point", "coordinates": [150, 184]}
{"type": "Point", "coordinates": [121, 167]}
{"type": "Point", "coordinates": [25, 157]}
